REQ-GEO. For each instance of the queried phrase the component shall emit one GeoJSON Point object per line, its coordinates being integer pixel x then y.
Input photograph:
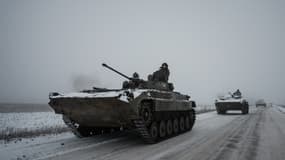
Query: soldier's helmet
{"type": "Point", "coordinates": [136, 75]}
{"type": "Point", "coordinates": [164, 65]}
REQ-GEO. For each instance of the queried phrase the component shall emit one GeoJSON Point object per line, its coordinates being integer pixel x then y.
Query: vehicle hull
{"type": "Point", "coordinates": [94, 112]}
{"type": "Point", "coordinates": [223, 107]}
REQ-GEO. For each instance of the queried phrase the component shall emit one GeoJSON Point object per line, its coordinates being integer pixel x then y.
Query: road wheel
{"type": "Point", "coordinates": [153, 131]}
{"type": "Point", "coordinates": [146, 113]}
{"type": "Point", "coordinates": [175, 126]}
{"type": "Point", "coordinates": [169, 128]}
{"type": "Point", "coordinates": [187, 123]}
{"type": "Point", "coordinates": [162, 129]}
{"type": "Point", "coordinates": [181, 124]}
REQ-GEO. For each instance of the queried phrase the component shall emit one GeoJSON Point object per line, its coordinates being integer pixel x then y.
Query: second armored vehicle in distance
{"type": "Point", "coordinates": [231, 102]}
{"type": "Point", "coordinates": [152, 108]}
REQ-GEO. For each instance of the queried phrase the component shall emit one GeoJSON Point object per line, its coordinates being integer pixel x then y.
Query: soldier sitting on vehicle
{"type": "Point", "coordinates": [237, 93]}
{"type": "Point", "coordinates": [134, 83]}
{"type": "Point", "coordinates": [162, 74]}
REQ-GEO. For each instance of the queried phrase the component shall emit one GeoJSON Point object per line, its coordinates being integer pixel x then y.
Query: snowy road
{"type": "Point", "coordinates": [258, 135]}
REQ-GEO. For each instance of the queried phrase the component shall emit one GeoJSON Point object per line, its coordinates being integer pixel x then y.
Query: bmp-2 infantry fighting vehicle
{"type": "Point", "coordinates": [150, 107]}
{"type": "Point", "coordinates": [231, 102]}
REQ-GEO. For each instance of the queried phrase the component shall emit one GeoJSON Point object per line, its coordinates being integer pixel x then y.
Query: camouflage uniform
{"type": "Point", "coordinates": [162, 74]}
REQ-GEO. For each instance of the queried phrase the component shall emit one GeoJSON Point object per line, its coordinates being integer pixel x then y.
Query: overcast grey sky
{"type": "Point", "coordinates": [211, 47]}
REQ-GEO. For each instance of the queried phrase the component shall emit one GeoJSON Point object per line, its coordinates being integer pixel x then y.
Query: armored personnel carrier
{"type": "Point", "coordinates": [231, 102]}
{"type": "Point", "coordinates": [152, 108]}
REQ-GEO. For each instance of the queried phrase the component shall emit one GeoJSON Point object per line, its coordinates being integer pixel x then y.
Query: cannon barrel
{"type": "Point", "coordinates": [105, 65]}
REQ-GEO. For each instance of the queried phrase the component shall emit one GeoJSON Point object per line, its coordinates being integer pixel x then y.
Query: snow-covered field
{"type": "Point", "coordinates": [27, 124]}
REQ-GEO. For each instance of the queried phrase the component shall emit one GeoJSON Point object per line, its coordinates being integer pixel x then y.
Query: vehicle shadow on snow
{"type": "Point", "coordinates": [129, 137]}
{"type": "Point", "coordinates": [121, 136]}
{"type": "Point", "coordinates": [233, 114]}
{"type": "Point", "coordinates": [236, 114]}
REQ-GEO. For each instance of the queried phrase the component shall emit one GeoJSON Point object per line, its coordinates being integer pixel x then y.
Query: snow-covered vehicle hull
{"type": "Point", "coordinates": [222, 106]}
{"type": "Point", "coordinates": [154, 113]}
{"type": "Point", "coordinates": [93, 112]}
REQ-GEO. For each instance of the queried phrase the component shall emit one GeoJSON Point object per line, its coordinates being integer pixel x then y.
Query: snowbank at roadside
{"type": "Point", "coordinates": [280, 108]}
